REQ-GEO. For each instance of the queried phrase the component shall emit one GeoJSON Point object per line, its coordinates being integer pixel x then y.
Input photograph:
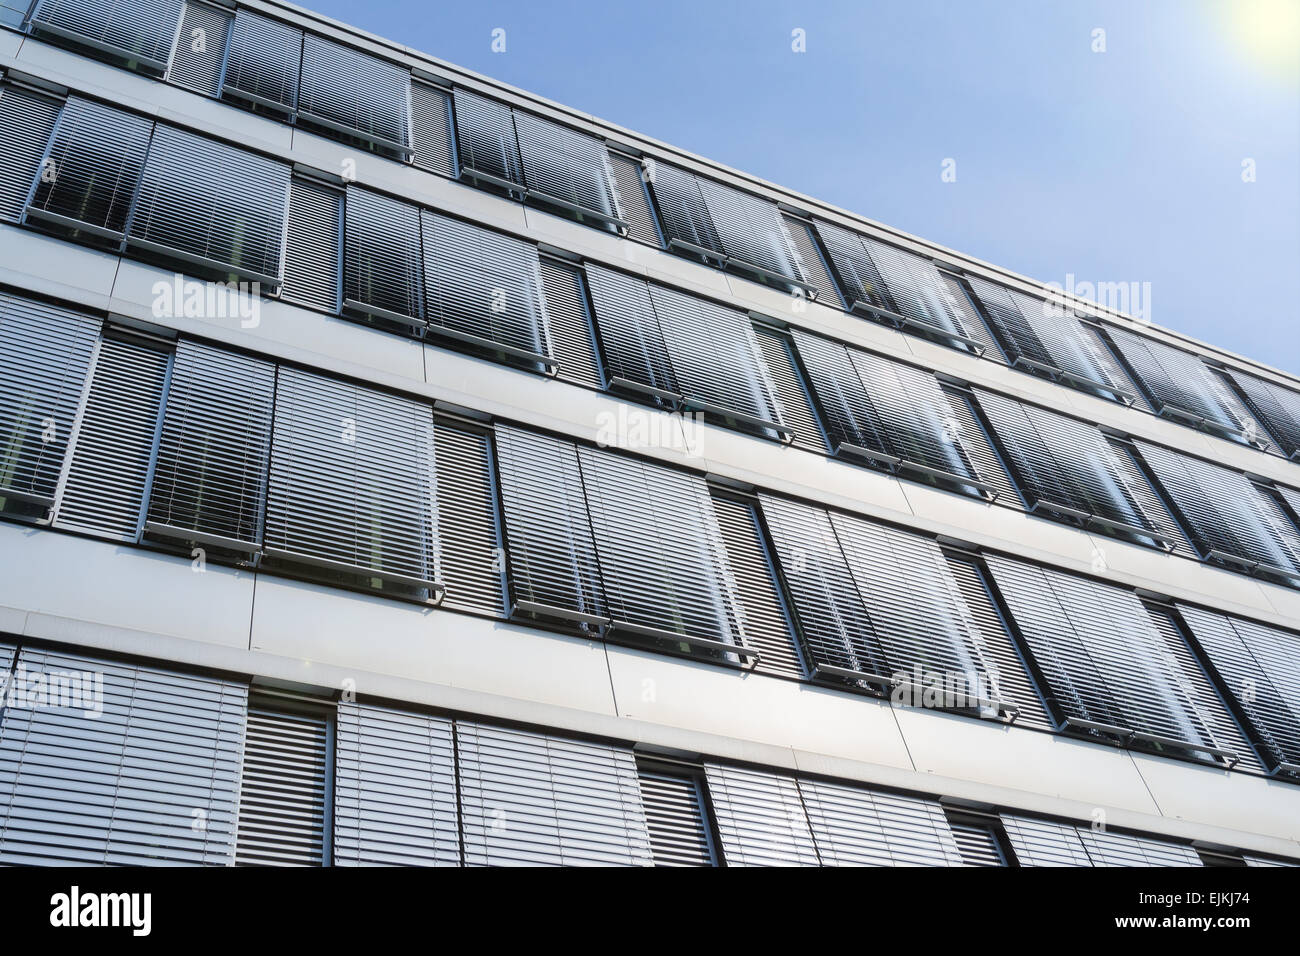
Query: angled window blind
{"type": "Point", "coordinates": [1104, 661]}
{"type": "Point", "coordinates": [633, 199]}
{"type": "Point", "coordinates": [1148, 499]}
{"type": "Point", "coordinates": [715, 358]}
{"type": "Point", "coordinates": [1257, 665]}
{"type": "Point", "coordinates": [394, 789]}
{"type": "Point", "coordinates": [382, 267]}
{"type": "Point", "coordinates": [45, 356]}
{"type": "Point", "coordinates": [977, 840]}
{"type": "Point", "coordinates": [567, 168]}
{"type": "Point", "coordinates": [313, 244]}
{"type": "Point", "coordinates": [486, 143]}
{"type": "Point", "coordinates": [127, 787]}
{"type": "Point", "coordinates": [200, 48]}
{"type": "Point", "coordinates": [484, 289]}
{"type": "Point", "coordinates": [354, 94]}
{"type": "Point", "coordinates": [857, 827]}
{"type": "Point", "coordinates": [1044, 842]}
{"type": "Point", "coordinates": [209, 483]}
{"type": "Point", "coordinates": [791, 389]}
{"type": "Point", "coordinates": [662, 560]}
{"type": "Point", "coordinates": [352, 485]}
{"type": "Point", "coordinates": [632, 343]}
{"type": "Point", "coordinates": [1049, 843]}
{"type": "Point", "coordinates": [811, 261]}
{"type": "Point", "coordinates": [683, 213]}
{"type": "Point", "coordinates": [92, 170]}
{"type": "Point", "coordinates": [1278, 408]}
{"type": "Point", "coordinates": [189, 208]}
{"type": "Point", "coordinates": [762, 610]}
{"type": "Point", "coordinates": [533, 800]}
{"type": "Point", "coordinates": [471, 554]}
{"type": "Point", "coordinates": [263, 60]}
{"type": "Point", "coordinates": [1179, 385]}
{"type": "Point", "coordinates": [551, 549]}
{"type": "Point", "coordinates": [140, 32]}
{"type": "Point", "coordinates": [851, 418]}
{"type": "Point", "coordinates": [572, 333]}
{"type": "Point", "coordinates": [1225, 514]}
{"type": "Point", "coordinates": [1066, 466]}
{"type": "Point", "coordinates": [108, 467]}
{"type": "Point", "coordinates": [1108, 848]}
{"type": "Point", "coordinates": [958, 298]}
{"type": "Point", "coordinates": [431, 136]}
{"type": "Point", "coordinates": [675, 817]}
{"type": "Point", "coordinates": [752, 233]}
{"type": "Point", "coordinates": [859, 278]}
{"type": "Point", "coordinates": [27, 119]}
{"type": "Point", "coordinates": [283, 791]}
{"type": "Point", "coordinates": [760, 817]}
{"type": "Point", "coordinates": [988, 463]}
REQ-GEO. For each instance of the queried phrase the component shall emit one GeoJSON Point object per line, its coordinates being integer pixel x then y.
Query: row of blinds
{"type": "Point", "coordinates": [200, 48]}
{"type": "Point", "coordinates": [1051, 843]}
{"type": "Point", "coordinates": [141, 33]}
{"type": "Point", "coordinates": [1278, 408]}
{"type": "Point", "coordinates": [27, 118]}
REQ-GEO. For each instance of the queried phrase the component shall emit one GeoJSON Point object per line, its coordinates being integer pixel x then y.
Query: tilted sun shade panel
{"type": "Point", "coordinates": [152, 780]}
{"type": "Point", "coordinates": [760, 817]}
{"type": "Point", "coordinates": [214, 452]}
{"type": "Point", "coordinates": [791, 389]}
{"type": "Point", "coordinates": [1013, 329]}
{"type": "Point", "coordinates": [486, 141]}
{"type": "Point", "coordinates": [107, 471]}
{"type": "Point", "coordinates": [189, 207]}
{"type": "Point", "coordinates": [1276, 406]}
{"type": "Point", "coordinates": [984, 457]}
{"type": "Point", "coordinates": [751, 230]}
{"type": "Point", "coordinates": [1108, 848]}
{"type": "Point", "coordinates": [633, 199]}
{"type": "Point", "coordinates": [977, 841]}
{"type": "Point", "coordinates": [833, 621]}
{"type": "Point", "coordinates": [1051, 843]}
{"type": "Point", "coordinates": [552, 555]}
{"type": "Point", "coordinates": [1044, 842]}
{"type": "Point", "coordinates": [355, 94]}
{"type": "Point", "coordinates": [1258, 666]}
{"type": "Point", "coordinates": [859, 276]}
{"type": "Point", "coordinates": [573, 340]}
{"type": "Point", "coordinates": [919, 292]}
{"type": "Point", "coordinates": [848, 412]}
{"type": "Point", "coordinates": [674, 812]}
{"type": "Point", "coordinates": [27, 119]}
{"type": "Point", "coordinates": [352, 479]}
{"type": "Point", "coordinates": [565, 165]}
{"type": "Point", "coordinates": [431, 126]}
{"type": "Point", "coordinates": [93, 168]}
{"type": "Point", "coordinates": [470, 555]}
{"type": "Point", "coordinates": [382, 265]}
{"type": "Point", "coordinates": [394, 788]}
{"type": "Point", "coordinates": [715, 359]}
{"type": "Point", "coordinates": [141, 30]}
{"type": "Point", "coordinates": [959, 301]}
{"type": "Point", "coordinates": [283, 789]}
{"type": "Point", "coordinates": [661, 555]}
{"type": "Point", "coordinates": [856, 827]}
{"type": "Point", "coordinates": [528, 799]}
{"type": "Point", "coordinates": [45, 355]}
{"type": "Point", "coordinates": [313, 244]}
{"type": "Point", "coordinates": [1072, 351]}
{"type": "Point", "coordinates": [485, 285]}
{"type": "Point", "coordinates": [1178, 381]}
{"type": "Point", "coordinates": [683, 213]}
{"type": "Point", "coordinates": [200, 48]}
{"type": "Point", "coordinates": [1223, 510]}
{"type": "Point", "coordinates": [1062, 461]}
{"type": "Point", "coordinates": [263, 60]}
{"type": "Point", "coordinates": [632, 342]}
{"type": "Point", "coordinates": [811, 262]}
{"type": "Point", "coordinates": [1146, 496]}
{"type": "Point", "coordinates": [1103, 659]}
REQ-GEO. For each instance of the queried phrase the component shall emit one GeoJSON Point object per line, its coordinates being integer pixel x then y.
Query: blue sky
{"type": "Point", "coordinates": [1115, 166]}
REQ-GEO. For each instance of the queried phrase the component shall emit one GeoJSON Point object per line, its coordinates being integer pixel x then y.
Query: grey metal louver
{"type": "Point", "coordinates": [633, 199]}
{"type": "Point", "coordinates": [263, 61]}
{"type": "Point", "coordinates": [1147, 498]}
{"type": "Point", "coordinates": [533, 800]}
{"type": "Point", "coordinates": [1050, 843]}
{"type": "Point", "coordinates": [572, 333]}
{"type": "Point", "coordinates": [352, 485]}
{"type": "Point", "coordinates": [394, 789]}
{"type": "Point", "coordinates": [45, 356]}
{"type": "Point", "coordinates": [979, 446]}
{"type": "Point", "coordinates": [1044, 842]}
{"type": "Point", "coordinates": [486, 143]}
{"type": "Point", "coordinates": [811, 262]}
{"type": "Point", "coordinates": [431, 136]}
{"type": "Point", "coordinates": [859, 278]}
{"type": "Point", "coordinates": [977, 841]}
{"type": "Point", "coordinates": [484, 289]}
{"type": "Point", "coordinates": [565, 168]}
{"type": "Point", "coordinates": [471, 555]}
{"type": "Point", "coordinates": [957, 297]}
{"type": "Point", "coordinates": [791, 390]}
{"type": "Point", "coordinates": [760, 817]}
{"type": "Point", "coordinates": [1277, 407]}
{"type": "Point", "coordinates": [141, 32]}
{"type": "Point", "coordinates": [675, 817]}
{"type": "Point", "coordinates": [152, 780]}
{"type": "Point", "coordinates": [27, 119]}
{"type": "Point", "coordinates": [284, 787]}
{"type": "Point", "coordinates": [92, 171]}
{"type": "Point", "coordinates": [1108, 848]}
{"type": "Point", "coordinates": [187, 208]}
{"type": "Point", "coordinates": [856, 827]}
{"type": "Point", "coordinates": [382, 260]}
{"type": "Point", "coordinates": [109, 463]}
{"type": "Point", "coordinates": [209, 484]}
{"type": "Point", "coordinates": [200, 48]}
{"type": "Point", "coordinates": [632, 343]}
{"type": "Point", "coordinates": [313, 253]}
{"type": "Point", "coordinates": [355, 94]}
{"type": "Point", "coordinates": [683, 214]}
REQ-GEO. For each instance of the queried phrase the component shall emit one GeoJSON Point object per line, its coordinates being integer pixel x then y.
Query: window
{"type": "Point", "coordinates": [284, 805]}
{"type": "Point", "coordinates": [1068, 469]}
{"type": "Point", "coordinates": [188, 210]}
{"type": "Point", "coordinates": [355, 95]}
{"type": "Point", "coordinates": [263, 60]}
{"type": "Point", "coordinates": [200, 48]}
{"type": "Point", "coordinates": [45, 356]}
{"type": "Point", "coordinates": [1048, 843]}
{"type": "Point", "coordinates": [633, 197]}
{"type": "Point", "coordinates": [856, 827]}
{"type": "Point", "coordinates": [142, 38]}
{"type": "Point", "coordinates": [92, 171]}
{"type": "Point", "coordinates": [568, 169]}
{"type": "Point", "coordinates": [1277, 407]}
{"type": "Point", "coordinates": [634, 354]}
{"type": "Point", "coordinates": [209, 484]}
{"type": "Point", "coordinates": [676, 815]}
{"type": "Point", "coordinates": [760, 816]}
{"type": "Point", "coordinates": [980, 839]}
{"type": "Point", "coordinates": [27, 119]}
{"type": "Point", "coordinates": [312, 245]}
{"type": "Point", "coordinates": [810, 256]}
{"type": "Point", "coordinates": [352, 488]}
{"type": "Point", "coordinates": [382, 266]}
{"type": "Point", "coordinates": [1106, 669]}
{"type": "Point", "coordinates": [471, 556]}
{"type": "Point", "coordinates": [431, 127]}
{"type": "Point", "coordinates": [486, 143]}
{"type": "Point", "coordinates": [573, 341]}
{"type": "Point", "coordinates": [790, 388]}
